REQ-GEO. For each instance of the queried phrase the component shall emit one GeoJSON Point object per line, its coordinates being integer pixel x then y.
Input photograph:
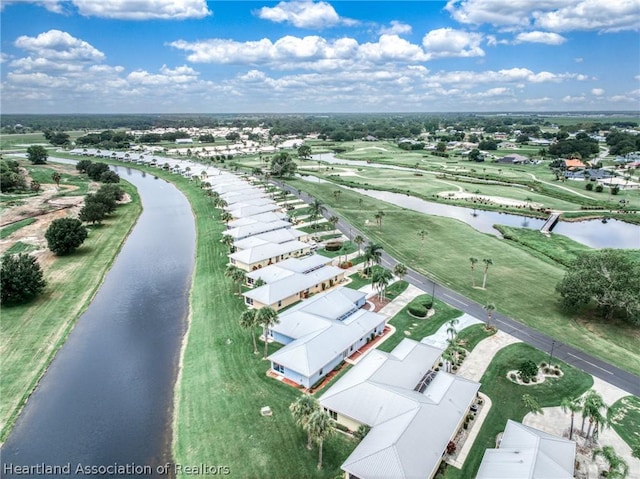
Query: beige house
{"type": "Point", "coordinates": [251, 259]}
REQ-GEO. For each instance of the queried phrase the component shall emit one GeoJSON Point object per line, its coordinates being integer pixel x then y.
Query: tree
{"type": "Point", "coordinates": [282, 165]}
{"type": "Point", "coordinates": [35, 186]}
{"type": "Point", "coordinates": [64, 235]}
{"type": "Point", "coordinates": [474, 261]}
{"type": "Point", "coordinates": [316, 210]}
{"type": "Point", "coordinates": [112, 191]}
{"type": "Point", "coordinates": [301, 410]}
{"type": "Point", "coordinates": [378, 216]}
{"type": "Point", "coordinates": [380, 279]}
{"type": "Point", "coordinates": [372, 254]}
{"type": "Point", "coordinates": [319, 427]}
{"type": "Point", "coordinates": [475, 155]}
{"type": "Point", "coordinates": [441, 146]}
{"type": "Point", "coordinates": [532, 404]}
{"type": "Point", "coordinates": [333, 221]}
{"type": "Point", "coordinates": [226, 217]}
{"type": "Point", "coordinates": [572, 405]}
{"type": "Point", "coordinates": [451, 327]}
{"type": "Point", "coordinates": [362, 431]}
{"type": "Point", "coordinates": [21, 278]}
{"type": "Point", "coordinates": [528, 370]}
{"type": "Point", "coordinates": [37, 154]}
{"type": "Point", "coordinates": [110, 177]}
{"type": "Point", "coordinates": [92, 212]}
{"type": "Point", "coordinates": [83, 165]}
{"type": "Point", "coordinates": [422, 234]}
{"type": "Point", "coordinates": [106, 199]}
{"type": "Point", "coordinates": [400, 270]}
{"type": "Point", "coordinates": [489, 308]}
{"type": "Point", "coordinates": [95, 170]}
{"type": "Point", "coordinates": [359, 240]}
{"type": "Point", "coordinates": [337, 194]}
{"type": "Point", "coordinates": [228, 241]}
{"type": "Point", "coordinates": [617, 467]}
{"type": "Point", "coordinates": [248, 320]}
{"type": "Point", "coordinates": [487, 262]}
{"type": "Point", "coordinates": [608, 279]}
{"type": "Point", "coordinates": [267, 317]}
{"type": "Point", "coordinates": [304, 152]}
{"type": "Point", "coordinates": [592, 405]}
{"type": "Point", "coordinates": [56, 177]}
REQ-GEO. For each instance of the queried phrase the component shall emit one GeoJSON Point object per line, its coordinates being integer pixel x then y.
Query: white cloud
{"type": "Point", "coordinates": [597, 91]}
{"type": "Point", "coordinates": [540, 37]}
{"type": "Point", "coordinates": [447, 42]}
{"type": "Point", "coordinates": [578, 59]}
{"type": "Point", "coordinates": [553, 15]}
{"type": "Point", "coordinates": [128, 9]}
{"type": "Point", "coordinates": [167, 76]}
{"type": "Point", "coordinates": [304, 14]}
{"type": "Point", "coordinates": [574, 99]}
{"type": "Point", "coordinates": [58, 45]}
{"type": "Point", "coordinates": [396, 28]}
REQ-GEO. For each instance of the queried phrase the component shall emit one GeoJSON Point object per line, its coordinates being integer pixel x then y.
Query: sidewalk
{"type": "Point", "coordinates": [479, 359]}
{"type": "Point", "coordinates": [440, 337]}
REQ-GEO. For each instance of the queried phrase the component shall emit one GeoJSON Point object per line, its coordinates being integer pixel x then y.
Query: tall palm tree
{"type": "Point", "coordinates": [422, 234]}
{"type": "Point", "coordinates": [372, 254]}
{"type": "Point", "coordinates": [451, 327]}
{"type": "Point", "coordinates": [487, 262]}
{"type": "Point", "coordinates": [337, 194]}
{"type": "Point", "coordinates": [359, 240]}
{"type": "Point", "coordinates": [490, 308]}
{"type": "Point", "coordinates": [617, 467]}
{"type": "Point", "coordinates": [592, 405]}
{"type": "Point", "coordinates": [572, 405]}
{"type": "Point", "coordinates": [301, 409]}
{"type": "Point", "coordinates": [532, 404]}
{"type": "Point", "coordinates": [226, 217]}
{"type": "Point", "coordinates": [333, 221]}
{"type": "Point", "coordinates": [319, 427]}
{"type": "Point", "coordinates": [473, 265]}
{"type": "Point", "coordinates": [378, 216]}
{"type": "Point", "coordinates": [316, 210]}
{"type": "Point", "coordinates": [400, 270]}
{"type": "Point", "coordinates": [248, 321]}
{"type": "Point", "coordinates": [228, 241]}
{"type": "Point", "coordinates": [380, 280]}
{"type": "Point", "coordinates": [239, 277]}
{"type": "Point", "coordinates": [267, 317]}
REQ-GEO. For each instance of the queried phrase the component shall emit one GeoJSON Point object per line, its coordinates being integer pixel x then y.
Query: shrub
{"type": "Point", "coordinates": [527, 370]}
{"type": "Point", "coordinates": [428, 305]}
{"type": "Point", "coordinates": [417, 310]}
{"type": "Point", "coordinates": [589, 186]}
{"type": "Point", "coordinates": [599, 188]}
{"type": "Point", "coordinates": [21, 278]}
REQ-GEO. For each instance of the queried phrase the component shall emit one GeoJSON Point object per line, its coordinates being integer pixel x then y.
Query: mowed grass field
{"type": "Point", "coordinates": [519, 284]}
{"type": "Point", "coordinates": [33, 332]}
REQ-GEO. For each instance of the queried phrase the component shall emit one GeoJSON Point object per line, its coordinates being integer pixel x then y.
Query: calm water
{"type": "Point", "coordinates": [107, 397]}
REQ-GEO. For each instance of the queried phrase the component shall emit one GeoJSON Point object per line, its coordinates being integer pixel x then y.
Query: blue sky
{"type": "Point", "coordinates": [194, 56]}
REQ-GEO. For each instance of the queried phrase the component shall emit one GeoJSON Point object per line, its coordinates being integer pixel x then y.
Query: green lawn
{"type": "Point", "coordinates": [520, 284]}
{"type": "Point", "coordinates": [33, 332]}
{"type": "Point", "coordinates": [506, 398]}
{"type": "Point", "coordinates": [624, 417]}
{"type": "Point", "coordinates": [12, 228]}
{"type": "Point", "coordinates": [472, 335]}
{"type": "Point", "coordinates": [409, 327]}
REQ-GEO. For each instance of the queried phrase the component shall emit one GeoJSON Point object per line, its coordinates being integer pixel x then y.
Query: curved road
{"type": "Point", "coordinates": [596, 367]}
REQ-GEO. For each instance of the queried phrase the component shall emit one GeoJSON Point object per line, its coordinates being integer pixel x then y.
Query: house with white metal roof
{"type": "Point", "coordinates": [413, 411]}
{"type": "Point", "coordinates": [528, 453]}
{"type": "Point", "coordinates": [277, 236]}
{"type": "Point", "coordinates": [242, 232]}
{"type": "Point", "coordinates": [319, 339]}
{"type": "Point", "coordinates": [267, 217]}
{"type": "Point", "coordinates": [267, 254]}
{"type": "Point", "coordinates": [291, 280]}
{"type": "Point", "coordinates": [243, 211]}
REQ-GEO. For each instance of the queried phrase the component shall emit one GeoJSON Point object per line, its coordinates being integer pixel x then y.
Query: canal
{"type": "Point", "coordinates": [105, 403]}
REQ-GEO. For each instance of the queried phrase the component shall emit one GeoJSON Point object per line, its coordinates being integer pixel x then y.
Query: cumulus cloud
{"type": "Point", "coordinates": [128, 9]}
{"type": "Point", "coordinates": [540, 37]}
{"type": "Point", "coordinates": [553, 15]}
{"type": "Point", "coordinates": [167, 76]}
{"type": "Point", "coordinates": [304, 14]}
{"type": "Point", "coordinates": [447, 42]}
{"type": "Point", "coordinates": [396, 28]}
{"type": "Point", "coordinates": [58, 45]}
{"type": "Point", "coordinates": [597, 91]}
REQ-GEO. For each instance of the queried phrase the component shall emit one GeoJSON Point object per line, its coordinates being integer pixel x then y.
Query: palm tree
{"type": "Point", "coordinates": [378, 216]}
{"type": "Point", "coordinates": [56, 177]}
{"type": "Point", "coordinates": [490, 308]}
{"type": "Point", "coordinates": [531, 404]}
{"type": "Point", "coordinates": [337, 194]}
{"type": "Point", "coordinates": [301, 409]}
{"type": "Point", "coordinates": [333, 221]}
{"type": "Point", "coordinates": [267, 317]}
{"type": "Point", "coordinates": [487, 262]}
{"type": "Point", "coordinates": [228, 241]}
{"type": "Point", "coordinates": [473, 265]}
{"type": "Point", "coordinates": [422, 234]}
{"type": "Point", "coordinates": [451, 327]}
{"type": "Point", "coordinates": [400, 270]}
{"type": "Point", "coordinates": [380, 280]}
{"type": "Point", "coordinates": [316, 210]}
{"type": "Point", "coordinates": [592, 404]}
{"type": "Point", "coordinates": [372, 254]}
{"type": "Point", "coordinates": [226, 216]}
{"type": "Point", "coordinates": [239, 277]}
{"type": "Point", "coordinates": [359, 240]}
{"type": "Point", "coordinates": [248, 321]}
{"type": "Point", "coordinates": [319, 427]}
{"type": "Point", "coordinates": [573, 405]}
{"type": "Point", "coordinates": [618, 468]}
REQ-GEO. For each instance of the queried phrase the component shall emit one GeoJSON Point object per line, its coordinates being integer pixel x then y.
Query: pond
{"type": "Point", "coordinates": [107, 397]}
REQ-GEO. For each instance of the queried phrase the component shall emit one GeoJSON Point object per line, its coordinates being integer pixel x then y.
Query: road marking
{"type": "Point", "coordinates": [454, 299]}
{"type": "Point", "coordinates": [588, 362]}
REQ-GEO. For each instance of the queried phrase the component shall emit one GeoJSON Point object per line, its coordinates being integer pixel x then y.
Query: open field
{"type": "Point", "coordinates": [521, 285]}
{"type": "Point", "coordinates": [506, 398]}
{"type": "Point", "coordinates": [624, 418]}
{"type": "Point", "coordinates": [33, 332]}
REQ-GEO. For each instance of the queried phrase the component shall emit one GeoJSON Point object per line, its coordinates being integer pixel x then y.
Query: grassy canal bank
{"type": "Point", "coordinates": [32, 333]}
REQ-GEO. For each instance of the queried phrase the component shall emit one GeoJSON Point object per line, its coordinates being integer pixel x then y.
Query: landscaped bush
{"type": "Point", "coordinates": [599, 188]}
{"type": "Point", "coordinates": [341, 427]}
{"type": "Point", "coordinates": [333, 246]}
{"type": "Point", "coordinates": [417, 310]}
{"type": "Point", "coordinates": [589, 186]}
{"type": "Point", "coordinates": [527, 370]}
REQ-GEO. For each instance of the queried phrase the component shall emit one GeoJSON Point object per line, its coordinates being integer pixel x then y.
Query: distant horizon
{"type": "Point", "coordinates": [312, 57]}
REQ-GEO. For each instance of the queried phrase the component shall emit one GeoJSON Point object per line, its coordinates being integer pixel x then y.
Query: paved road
{"type": "Point", "coordinates": [570, 355]}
